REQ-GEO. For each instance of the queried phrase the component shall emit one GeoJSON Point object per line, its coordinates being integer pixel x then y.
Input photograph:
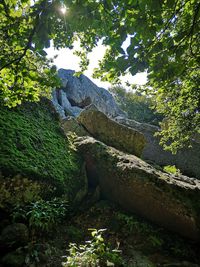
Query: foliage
{"type": "Point", "coordinates": [133, 226]}
{"type": "Point", "coordinates": [42, 215]}
{"type": "Point", "coordinates": [33, 144]}
{"type": "Point", "coordinates": [93, 253]}
{"type": "Point", "coordinates": [137, 106]}
{"type": "Point", "coordinates": [171, 169]}
{"type": "Point", "coordinates": [163, 39]}
{"type": "Point", "coordinates": [24, 71]}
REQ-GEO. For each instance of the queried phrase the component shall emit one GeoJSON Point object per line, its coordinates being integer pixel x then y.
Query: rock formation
{"type": "Point", "coordinates": [187, 160]}
{"type": "Point", "coordinates": [79, 92]}
{"type": "Point", "coordinates": [71, 125]}
{"type": "Point", "coordinates": [170, 201]}
{"type": "Point", "coordinates": [111, 132]}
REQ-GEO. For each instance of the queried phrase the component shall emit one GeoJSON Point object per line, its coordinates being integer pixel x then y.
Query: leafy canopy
{"type": "Point", "coordinates": [136, 105]}
{"type": "Point", "coordinates": [164, 40]}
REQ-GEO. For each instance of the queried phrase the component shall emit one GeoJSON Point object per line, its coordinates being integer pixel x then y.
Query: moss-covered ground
{"type": "Point", "coordinates": [33, 145]}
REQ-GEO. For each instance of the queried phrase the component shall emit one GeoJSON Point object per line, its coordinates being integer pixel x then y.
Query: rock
{"type": "Point", "coordinates": [70, 124]}
{"type": "Point", "coordinates": [79, 92]}
{"type": "Point", "coordinates": [83, 190]}
{"type": "Point", "coordinates": [187, 160]}
{"type": "Point", "coordinates": [111, 132]}
{"type": "Point", "coordinates": [13, 259]}
{"type": "Point", "coordinates": [62, 104]}
{"type": "Point", "coordinates": [14, 235]}
{"type": "Point", "coordinates": [170, 201]}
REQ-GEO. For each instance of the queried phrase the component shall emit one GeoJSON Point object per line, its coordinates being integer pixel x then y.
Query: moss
{"type": "Point", "coordinates": [33, 144]}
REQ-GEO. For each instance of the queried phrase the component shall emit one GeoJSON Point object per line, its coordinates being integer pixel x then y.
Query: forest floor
{"type": "Point", "coordinates": [141, 243]}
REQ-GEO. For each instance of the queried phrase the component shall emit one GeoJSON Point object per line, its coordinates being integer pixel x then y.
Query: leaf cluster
{"type": "Point", "coordinates": [42, 215]}
{"type": "Point", "coordinates": [93, 253]}
{"type": "Point", "coordinates": [138, 106]}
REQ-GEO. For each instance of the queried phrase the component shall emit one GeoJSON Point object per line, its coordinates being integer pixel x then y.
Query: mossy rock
{"type": "Point", "coordinates": [167, 200]}
{"type": "Point", "coordinates": [110, 132]}
{"type": "Point", "coordinates": [34, 146]}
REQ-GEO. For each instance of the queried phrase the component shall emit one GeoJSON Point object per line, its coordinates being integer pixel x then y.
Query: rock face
{"type": "Point", "coordinates": [79, 92]}
{"type": "Point", "coordinates": [111, 132]}
{"type": "Point", "coordinates": [70, 124]}
{"type": "Point", "coordinates": [170, 201]}
{"type": "Point", "coordinates": [187, 160]}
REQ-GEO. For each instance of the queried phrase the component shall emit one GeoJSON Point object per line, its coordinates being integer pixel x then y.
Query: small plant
{"type": "Point", "coordinates": [42, 215]}
{"type": "Point", "coordinates": [131, 223]}
{"type": "Point", "coordinates": [93, 253]}
{"type": "Point", "coordinates": [171, 169]}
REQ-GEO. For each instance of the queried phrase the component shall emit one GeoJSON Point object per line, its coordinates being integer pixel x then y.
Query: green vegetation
{"type": "Point", "coordinates": [33, 145]}
{"type": "Point", "coordinates": [25, 72]}
{"type": "Point", "coordinates": [137, 106]}
{"type": "Point", "coordinates": [171, 169]}
{"type": "Point", "coordinates": [41, 173]}
{"type": "Point", "coordinates": [42, 215]}
{"type": "Point", "coordinates": [132, 235]}
{"type": "Point", "coordinates": [93, 253]}
{"type": "Point", "coordinates": [163, 39]}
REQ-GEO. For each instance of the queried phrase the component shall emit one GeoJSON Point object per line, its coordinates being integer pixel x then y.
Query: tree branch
{"type": "Point", "coordinates": [30, 38]}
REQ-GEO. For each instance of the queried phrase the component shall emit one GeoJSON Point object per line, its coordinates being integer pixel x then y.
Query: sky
{"type": "Point", "coordinates": [67, 60]}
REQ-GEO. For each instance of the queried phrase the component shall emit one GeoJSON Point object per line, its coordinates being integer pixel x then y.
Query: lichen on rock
{"type": "Point", "coordinates": [111, 132]}
{"type": "Point", "coordinates": [169, 201]}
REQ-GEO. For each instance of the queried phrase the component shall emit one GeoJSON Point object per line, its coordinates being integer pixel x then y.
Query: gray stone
{"type": "Point", "coordinates": [187, 160]}
{"type": "Point", "coordinates": [81, 92]}
{"type": "Point", "coordinates": [59, 109]}
{"type": "Point", "coordinates": [63, 106]}
{"type": "Point", "coordinates": [111, 132]}
{"type": "Point", "coordinates": [71, 125]}
{"type": "Point", "coordinates": [170, 201]}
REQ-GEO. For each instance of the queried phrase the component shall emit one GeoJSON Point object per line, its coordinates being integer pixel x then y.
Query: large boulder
{"type": "Point", "coordinates": [111, 132]}
{"type": "Point", "coordinates": [77, 93]}
{"type": "Point", "coordinates": [34, 145]}
{"type": "Point", "coordinates": [170, 201]}
{"type": "Point", "coordinates": [187, 159]}
{"type": "Point", "coordinates": [71, 125]}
